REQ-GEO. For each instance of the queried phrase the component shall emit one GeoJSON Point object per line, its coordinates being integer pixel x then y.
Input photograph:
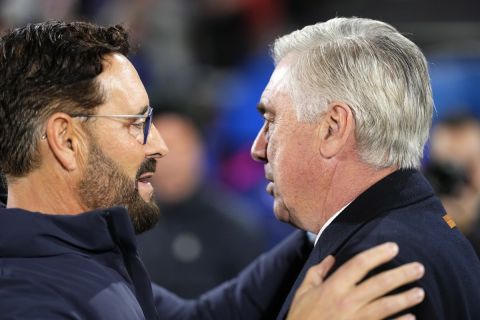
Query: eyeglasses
{"type": "Point", "coordinates": [144, 126]}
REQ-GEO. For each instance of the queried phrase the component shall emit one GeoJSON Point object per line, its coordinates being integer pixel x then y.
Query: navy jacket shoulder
{"type": "Point", "coordinates": [71, 266]}
{"type": "Point", "coordinates": [403, 208]}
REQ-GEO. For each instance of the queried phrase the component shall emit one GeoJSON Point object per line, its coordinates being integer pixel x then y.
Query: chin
{"type": "Point", "coordinates": [147, 198]}
{"type": "Point", "coordinates": [281, 212]}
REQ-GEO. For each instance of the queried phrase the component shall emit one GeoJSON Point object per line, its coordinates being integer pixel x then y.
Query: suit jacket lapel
{"type": "Point", "coordinates": [288, 301]}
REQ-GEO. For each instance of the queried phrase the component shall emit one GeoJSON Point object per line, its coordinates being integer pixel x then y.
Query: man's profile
{"type": "Point", "coordinates": [347, 113]}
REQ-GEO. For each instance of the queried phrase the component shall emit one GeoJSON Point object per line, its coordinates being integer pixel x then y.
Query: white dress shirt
{"type": "Point", "coordinates": [329, 221]}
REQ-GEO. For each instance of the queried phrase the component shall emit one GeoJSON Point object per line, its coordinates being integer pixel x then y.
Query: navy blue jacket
{"type": "Point", "coordinates": [86, 267]}
{"type": "Point", "coordinates": [402, 208]}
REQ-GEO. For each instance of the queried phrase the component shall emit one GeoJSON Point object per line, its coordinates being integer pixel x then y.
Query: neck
{"type": "Point", "coordinates": [348, 182]}
{"type": "Point", "coordinates": [48, 193]}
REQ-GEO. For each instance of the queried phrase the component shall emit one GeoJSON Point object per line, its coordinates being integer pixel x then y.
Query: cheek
{"type": "Point", "coordinates": [294, 167]}
{"type": "Point", "coordinates": [292, 180]}
{"type": "Point", "coordinates": [128, 156]}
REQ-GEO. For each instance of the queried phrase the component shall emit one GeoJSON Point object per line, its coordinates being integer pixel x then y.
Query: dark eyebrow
{"type": "Point", "coordinates": [264, 108]}
{"type": "Point", "coordinates": [261, 108]}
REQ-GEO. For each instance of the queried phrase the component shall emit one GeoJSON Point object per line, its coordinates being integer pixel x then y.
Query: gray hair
{"type": "Point", "coordinates": [378, 72]}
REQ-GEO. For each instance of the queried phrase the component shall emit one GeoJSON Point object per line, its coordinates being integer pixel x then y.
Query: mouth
{"type": "Point", "coordinates": [142, 183]}
{"type": "Point", "coordinates": [269, 188]}
{"type": "Point", "coordinates": [144, 187]}
{"type": "Point", "coordinates": [268, 173]}
{"type": "Point", "coordinates": [145, 177]}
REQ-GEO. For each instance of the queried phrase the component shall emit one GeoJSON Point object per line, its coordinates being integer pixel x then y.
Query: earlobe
{"type": "Point", "coordinates": [60, 137]}
{"type": "Point", "coordinates": [337, 125]}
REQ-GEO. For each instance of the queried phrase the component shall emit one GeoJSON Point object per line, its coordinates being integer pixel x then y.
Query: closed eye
{"type": "Point", "coordinates": [268, 122]}
{"type": "Point", "coordinates": [138, 125]}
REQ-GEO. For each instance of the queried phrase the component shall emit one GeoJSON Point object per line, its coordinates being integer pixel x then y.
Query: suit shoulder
{"type": "Point", "coordinates": [452, 269]}
{"type": "Point", "coordinates": [424, 223]}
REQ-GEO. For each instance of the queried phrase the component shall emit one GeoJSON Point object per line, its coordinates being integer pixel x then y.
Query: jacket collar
{"type": "Point", "coordinates": [396, 190]}
{"type": "Point", "coordinates": [34, 234]}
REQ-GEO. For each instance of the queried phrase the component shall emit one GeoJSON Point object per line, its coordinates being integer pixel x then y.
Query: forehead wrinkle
{"type": "Point", "coordinates": [276, 88]}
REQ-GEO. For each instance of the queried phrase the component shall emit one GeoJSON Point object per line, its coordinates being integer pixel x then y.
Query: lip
{"type": "Point", "coordinates": [144, 187]}
{"type": "Point", "coordinates": [268, 176]}
{"type": "Point", "coordinates": [269, 188]}
{"type": "Point", "coordinates": [145, 190]}
{"type": "Point", "coordinates": [145, 176]}
{"type": "Point", "coordinates": [268, 173]}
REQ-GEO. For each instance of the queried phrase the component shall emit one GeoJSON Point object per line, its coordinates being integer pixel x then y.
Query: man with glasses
{"type": "Point", "coordinates": [77, 148]}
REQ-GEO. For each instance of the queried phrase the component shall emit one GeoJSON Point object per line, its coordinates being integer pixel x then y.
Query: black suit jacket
{"type": "Point", "coordinates": [403, 208]}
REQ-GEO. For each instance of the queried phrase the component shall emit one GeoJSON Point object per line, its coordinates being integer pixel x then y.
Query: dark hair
{"type": "Point", "coordinates": [458, 120]}
{"type": "Point", "coordinates": [446, 178]}
{"type": "Point", "coordinates": [46, 68]}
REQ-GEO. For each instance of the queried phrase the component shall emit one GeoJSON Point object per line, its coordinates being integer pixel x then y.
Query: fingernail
{"type": "Point", "coordinates": [418, 294]}
{"type": "Point", "coordinates": [416, 269]}
{"type": "Point", "coordinates": [419, 269]}
{"type": "Point", "coordinates": [392, 247]}
{"type": "Point", "coordinates": [409, 317]}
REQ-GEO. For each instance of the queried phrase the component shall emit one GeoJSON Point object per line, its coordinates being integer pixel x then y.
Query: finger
{"type": "Point", "coordinates": [406, 317]}
{"type": "Point", "coordinates": [384, 282]}
{"type": "Point", "coordinates": [315, 275]}
{"type": "Point", "coordinates": [392, 304]}
{"type": "Point", "coordinates": [354, 270]}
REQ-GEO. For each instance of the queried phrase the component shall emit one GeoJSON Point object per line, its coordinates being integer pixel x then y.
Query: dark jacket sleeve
{"type": "Point", "coordinates": [256, 293]}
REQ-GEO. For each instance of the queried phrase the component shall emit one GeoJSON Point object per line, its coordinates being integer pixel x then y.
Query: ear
{"type": "Point", "coordinates": [337, 126]}
{"type": "Point", "coordinates": [62, 140]}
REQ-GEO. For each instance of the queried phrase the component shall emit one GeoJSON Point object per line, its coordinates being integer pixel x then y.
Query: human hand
{"type": "Point", "coordinates": [341, 296]}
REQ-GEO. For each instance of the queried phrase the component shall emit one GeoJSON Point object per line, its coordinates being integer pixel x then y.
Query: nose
{"type": "Point", "coordinates": [155, 146]}
{"type": "Point", "coordinates": [259, 146]}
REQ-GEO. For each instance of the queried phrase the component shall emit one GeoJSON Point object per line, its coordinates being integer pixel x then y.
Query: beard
{"type": "Point", "coordinates": [105, 185]}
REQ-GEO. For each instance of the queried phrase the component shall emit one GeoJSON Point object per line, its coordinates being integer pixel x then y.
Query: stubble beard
{"type": "Point", "coordinates": [104, 185]}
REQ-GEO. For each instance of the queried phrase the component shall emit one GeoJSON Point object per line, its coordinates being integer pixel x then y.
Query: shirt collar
{"type": "Point", "coordinates": [329, 221]}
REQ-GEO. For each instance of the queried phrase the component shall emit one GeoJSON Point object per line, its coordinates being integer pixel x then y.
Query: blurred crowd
{"type": "Point", "coordinates": [205, 64]}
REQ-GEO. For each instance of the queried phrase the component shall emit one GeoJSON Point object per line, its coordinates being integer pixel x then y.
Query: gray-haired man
{"type": "Point", "coordinates": [347, 112]}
